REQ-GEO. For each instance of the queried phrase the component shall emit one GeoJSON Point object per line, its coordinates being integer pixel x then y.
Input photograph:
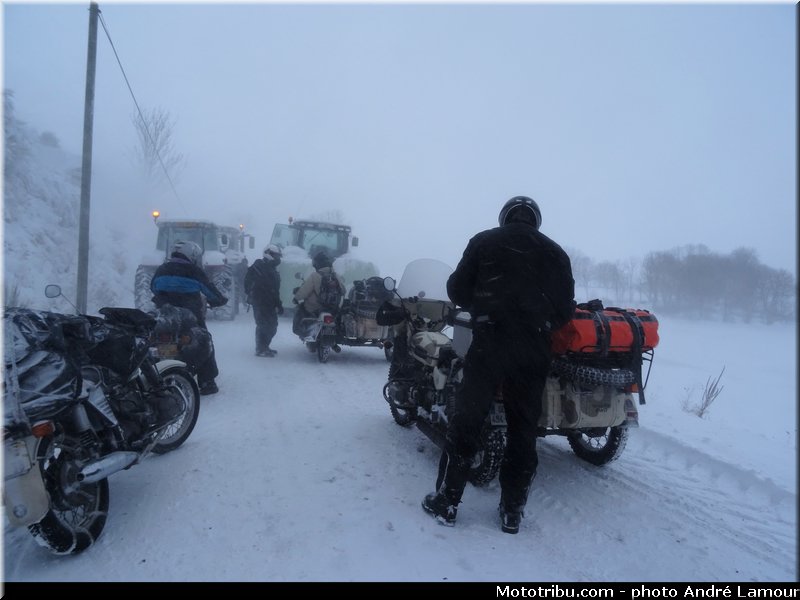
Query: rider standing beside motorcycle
{"type": "Point", "coordinates": [262, 284]}
{"type": "Point", "coordinates": [181, 281]}
{"type": "Point", "coordinates": [517, 285]}
{"type": "Point", "coordinates": [307, 296]}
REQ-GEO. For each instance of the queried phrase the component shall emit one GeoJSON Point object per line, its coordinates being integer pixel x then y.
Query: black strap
{"type": "Point", "coordinates": [638, 339]}
{"type": "Point", "coordinates": [602, 330]}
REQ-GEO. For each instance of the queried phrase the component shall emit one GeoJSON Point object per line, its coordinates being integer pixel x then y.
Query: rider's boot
{"type": "Point", "coordinates": [452, 479]}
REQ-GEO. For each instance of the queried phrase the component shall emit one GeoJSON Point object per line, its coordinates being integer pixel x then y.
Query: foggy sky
{"type": "Point", "coordinates": [635, 127]}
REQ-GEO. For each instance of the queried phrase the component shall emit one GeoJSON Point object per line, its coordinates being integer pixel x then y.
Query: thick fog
{"type": "Point", "coordinates": [637, 128]}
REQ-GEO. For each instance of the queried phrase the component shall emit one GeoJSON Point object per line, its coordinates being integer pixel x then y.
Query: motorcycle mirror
{"type": "Point", "coordinates": [388, 284]}
{"type": "Point", "coordinates": [53, 290]}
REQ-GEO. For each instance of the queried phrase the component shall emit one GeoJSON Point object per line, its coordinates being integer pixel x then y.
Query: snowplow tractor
{"type": "Point", "coordinates": [224, 261]}
{"type": "Point", "coordinates": [300, 240]}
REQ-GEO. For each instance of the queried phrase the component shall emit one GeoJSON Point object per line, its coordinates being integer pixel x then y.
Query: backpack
{"type": "Point", "coordinates": [330, 292]}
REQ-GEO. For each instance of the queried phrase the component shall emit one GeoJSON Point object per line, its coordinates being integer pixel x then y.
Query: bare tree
{"type": "Point", "coordinates": [156, 154]}
{"type": "Point", "coordinates": [581, 268]}
{"type": "Point", "coordinates": [608, 275]}
{"type": "Point", "coordinates": [630, 271]}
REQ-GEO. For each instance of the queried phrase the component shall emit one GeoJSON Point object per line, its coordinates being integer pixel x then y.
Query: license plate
{"type": "Point", "coordinates": [16, 459]}
{"type": "Point", "coordinates": [497, 416]}
{"type": "Point", "coordinates": [167, 350]}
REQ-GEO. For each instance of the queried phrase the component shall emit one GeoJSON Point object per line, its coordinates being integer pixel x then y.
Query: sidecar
{"type": "Point", "coordinates": [356, 323]}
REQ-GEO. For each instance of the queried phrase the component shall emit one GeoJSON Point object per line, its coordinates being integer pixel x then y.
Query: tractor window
{"type": "Point", "coordinates": [333, 243]}
{"type": "Point", "coordinates": [283, 236]}
{"type": "Point", "coordinates": [167, 236]}
{"type": "Point", "coordinates": [210, 240]}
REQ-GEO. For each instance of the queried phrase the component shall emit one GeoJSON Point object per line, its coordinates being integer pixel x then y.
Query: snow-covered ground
{"type": "Point", "coordinates": [297, 472]}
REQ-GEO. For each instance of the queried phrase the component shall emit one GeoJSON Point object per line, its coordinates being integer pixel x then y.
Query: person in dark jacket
{"type": "Point", "coordinates": [262, 284]}
{"type": "Point", "coordinates": [517, 285]}
{"type": "Point", "coordinates": [181, 281]}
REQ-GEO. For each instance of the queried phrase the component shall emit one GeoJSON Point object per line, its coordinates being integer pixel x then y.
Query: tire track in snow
{"type": "Point", "coordinates": [702, 495]}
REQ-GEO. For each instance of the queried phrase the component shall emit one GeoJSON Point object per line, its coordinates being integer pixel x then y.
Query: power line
{"type": "Point", "coordinates": [139, 110]}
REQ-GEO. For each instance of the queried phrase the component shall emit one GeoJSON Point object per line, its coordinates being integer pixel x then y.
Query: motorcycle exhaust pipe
{"type": "Point", "coordinates": [108, 465]}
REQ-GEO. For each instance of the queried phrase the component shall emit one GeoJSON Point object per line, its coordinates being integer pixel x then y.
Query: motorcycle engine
{"type": "Point", "coordinates": [399, 393]}
{"type": "Point", "coordinates": [423, 395]}
{"type": "Point", "coordinates": [132, 411]}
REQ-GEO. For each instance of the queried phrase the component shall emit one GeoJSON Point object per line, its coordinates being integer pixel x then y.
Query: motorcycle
{"type": "Point", "coordinates": [177, 335]}
{"type": "Point", "coordinates": [319, 334]}
{"type": "Point", "coordinates": [588, 399]}
{"type": "Point", "coordinates": [352, 324]}
{"type": "Point", "coordinates": [84, 399]}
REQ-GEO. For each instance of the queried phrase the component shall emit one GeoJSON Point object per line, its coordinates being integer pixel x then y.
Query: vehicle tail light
{"type": "Point", "coordinates": [43, 429]}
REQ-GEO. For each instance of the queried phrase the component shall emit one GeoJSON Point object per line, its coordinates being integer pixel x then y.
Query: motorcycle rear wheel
{"type": "Point", "coordinates": [78, 511]}
{"type": "Point", "coordinates": [177, 433]}
{"type": "Point", "coordinates": [403, 416]}
{"type": "Point", "coordinates": [598, 446]}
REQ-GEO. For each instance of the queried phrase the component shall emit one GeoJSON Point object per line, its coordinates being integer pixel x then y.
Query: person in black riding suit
{"type": "Point", "coordinates": [181, 281]}
{"type": "Point", "coordinates": [517, 285]}
{"type": "Point", "coordinates": [262, 284]}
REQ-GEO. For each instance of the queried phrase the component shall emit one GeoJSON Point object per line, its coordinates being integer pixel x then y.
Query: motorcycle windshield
{"type": "Point", "coordinates": [425, 278]}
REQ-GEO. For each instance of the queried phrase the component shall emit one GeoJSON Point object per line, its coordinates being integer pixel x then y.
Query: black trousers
{"type": "Point", "coordinates": [207, 371]}
{"type": "Point", "coordinates": [515, 358]}
{"type": "Point", "coordinates": [266, 325]}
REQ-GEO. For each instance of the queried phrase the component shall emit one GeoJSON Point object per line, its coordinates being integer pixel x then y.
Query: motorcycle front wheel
{"type": "Point", "coordinates": [179, 381]}
{"type": "Point", "coordinates": [599, 446]}
{"type": "Point", "coordinates": [403, 416]}
{"type": "Point", "coordinates": [489, 458]}
{"type": "Point", "coordinates": [78, 510]}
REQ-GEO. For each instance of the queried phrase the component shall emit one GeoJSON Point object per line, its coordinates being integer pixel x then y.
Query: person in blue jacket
{"type": "Point", "coordinates": [181, 281]}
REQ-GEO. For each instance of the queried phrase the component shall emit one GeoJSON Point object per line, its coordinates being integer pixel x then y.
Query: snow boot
{"type": "Point", "coordinates": [208, 388]}
{"type": "Point", "coordinates": [509, 520]}
{"type": "Point", "coordinates": [437, 504]}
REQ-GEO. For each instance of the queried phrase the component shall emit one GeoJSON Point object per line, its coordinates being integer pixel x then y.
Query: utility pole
{"type": "Point", "coordinates": [86, 169]}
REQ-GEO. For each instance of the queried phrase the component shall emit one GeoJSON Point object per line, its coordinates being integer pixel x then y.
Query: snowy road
{"type": "Point", "coordinates": [297, 472]}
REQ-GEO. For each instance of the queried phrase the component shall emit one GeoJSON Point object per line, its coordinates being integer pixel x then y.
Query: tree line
{"type": "Point", "coordinates": [693, 281]}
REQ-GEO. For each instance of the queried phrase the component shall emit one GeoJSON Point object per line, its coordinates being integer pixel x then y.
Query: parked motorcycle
{"type": "Point", "coordinates": [352, 324]}
{"type": "Point", "coordinates": [177, 335]}
{"type": "Point", "coordinates": [319, 334]}
{"type": "Point", "coordinates": [587, 398]}
{"type": "Point", "coordinates": [84, 398]}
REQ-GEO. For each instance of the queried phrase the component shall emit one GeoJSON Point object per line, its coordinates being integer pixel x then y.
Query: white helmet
{"type": "Point", "coordinates": [272, 252]}
{"type": "Point", "coordinates": [190, 251]}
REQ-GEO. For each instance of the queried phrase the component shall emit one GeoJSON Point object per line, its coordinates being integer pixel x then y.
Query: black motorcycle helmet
{"type": "Point", "coordinates": [519, 205]}
{"type": "Point", "coordinates": [321, 260]}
